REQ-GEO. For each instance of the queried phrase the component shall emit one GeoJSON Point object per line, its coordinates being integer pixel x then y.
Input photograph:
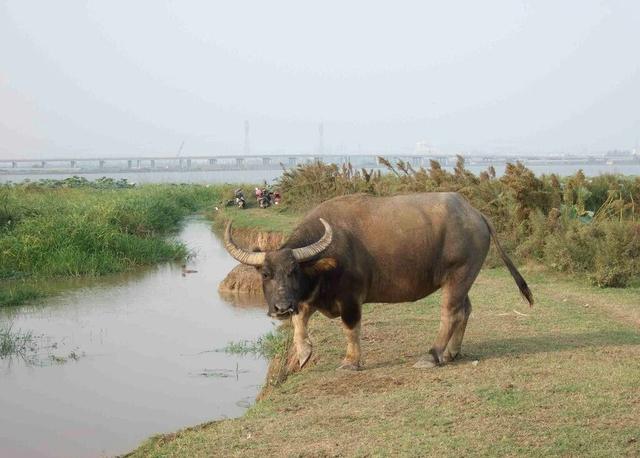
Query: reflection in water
{"type": "Point", "coordinates": [148, 365]}
{"type": "Point", "coordinates": [245, 300]}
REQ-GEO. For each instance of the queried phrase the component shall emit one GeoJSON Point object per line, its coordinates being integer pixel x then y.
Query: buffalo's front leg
{"type": "Point", "coordinates": [351, 325]}
{"type": "Point", "coordinates": [300, 336]}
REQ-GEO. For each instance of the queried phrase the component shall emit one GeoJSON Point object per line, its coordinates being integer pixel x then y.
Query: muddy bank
{"type": "Point", "coordinates": [250, 239]}
{"type": "Point", "coordinates": [245, 280]}
{"type": "Point", "coordinates": [242, 280]}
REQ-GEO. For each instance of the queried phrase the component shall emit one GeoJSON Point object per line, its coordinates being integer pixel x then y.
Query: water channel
{"type": "Point", "coordinates": [140, 358]}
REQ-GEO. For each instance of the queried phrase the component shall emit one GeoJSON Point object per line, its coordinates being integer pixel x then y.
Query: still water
{"type": "Point", "coordinates": [257, 176]}
{"type": "Point", "coordinates": [196, 176]}
{"type": "Point", "coordinates": [145, 365]}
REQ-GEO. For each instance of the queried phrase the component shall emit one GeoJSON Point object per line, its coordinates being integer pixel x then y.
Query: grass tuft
{"type": "Point", "coordinates": [272, 344]}
{"type": "Point", "coordinates": [18, 343]}
{"type": "Point", "coordinates": [16, 295]}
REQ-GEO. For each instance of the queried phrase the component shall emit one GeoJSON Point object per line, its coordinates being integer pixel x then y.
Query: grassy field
{"type": "Point", "coordinates": [560, 379]}
{"type": "Point", "coordinates": [272, 219]}
{"type": "Point", "coordinates": [76, 228]}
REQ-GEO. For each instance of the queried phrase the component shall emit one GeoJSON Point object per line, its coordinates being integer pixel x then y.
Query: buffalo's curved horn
{"type": "Point", "coordinates": [310, 251]}
{"type": "Point", "coordinates": [245, 257]}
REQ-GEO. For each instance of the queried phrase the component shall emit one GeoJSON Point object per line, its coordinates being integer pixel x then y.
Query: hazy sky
{"type": "Point", "coordinates": [117, 77]}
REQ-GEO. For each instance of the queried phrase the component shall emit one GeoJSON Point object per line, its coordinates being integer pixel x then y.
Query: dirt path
{"type": "Point", "coordinates": [562, 378]}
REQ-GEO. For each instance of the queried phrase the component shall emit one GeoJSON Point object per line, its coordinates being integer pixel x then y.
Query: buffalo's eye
{"type": "Point", "coordinates": [266, 274]}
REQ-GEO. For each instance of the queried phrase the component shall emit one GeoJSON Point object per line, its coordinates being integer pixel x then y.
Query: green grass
{"type": "Point", "coordinates": [559, 379]}
{"type": "Point", "coordinates": [16, 343]}
{"type": "Point", "coordinates": [272, 219]}
{"type": "Point", "coordinates": [272, 344]}
{"type": "Point", "coordinates": [47, 230]}
{"type": "Point", "coordinates": [16, 295]}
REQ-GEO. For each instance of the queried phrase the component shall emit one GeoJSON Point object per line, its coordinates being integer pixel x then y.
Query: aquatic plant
{"type": "Point", "coordinates": [16, 343]}
{"type": "Point", "coordinates": [271, 344]}
{"type": "Point", "coordinates": [18, 294]}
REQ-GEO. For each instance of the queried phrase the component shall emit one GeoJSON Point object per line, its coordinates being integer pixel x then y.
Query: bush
{"type": "Point", "coordinates": [617, 255]}
{"type": "Point", "coordinates": [571, 249]}
{"type": "Point", "coordinates": [571, 224]}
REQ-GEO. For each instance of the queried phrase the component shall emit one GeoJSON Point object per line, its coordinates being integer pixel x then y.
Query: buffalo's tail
{"type": "Point", "coordinates": [522, 284]}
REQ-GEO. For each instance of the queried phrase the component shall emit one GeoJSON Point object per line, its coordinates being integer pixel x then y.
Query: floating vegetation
{"type": "Point", "coordinates": [81, 182]}
{"type": "Point", "coordinates": [32, 349]}
{"type": "Point", "coordinates": [271, 344]}
{"type": "Point", "coordinates": [21, 344]}
{"type": "Point", "coordinates": [223, 373]}
{"type": "Point", "coordinates": [74, 355]}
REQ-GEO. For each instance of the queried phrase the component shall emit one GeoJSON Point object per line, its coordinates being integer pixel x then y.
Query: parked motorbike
{"type": "Point", "coordinates": [264, 197]}
{"type": "Point", "coordinates": [239, 199]}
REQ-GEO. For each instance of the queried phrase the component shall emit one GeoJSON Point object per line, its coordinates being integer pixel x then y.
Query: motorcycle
{"type": "Point", "coordinates": [238, 199]}
{"type": "Point", "coordinates": [264, 197]}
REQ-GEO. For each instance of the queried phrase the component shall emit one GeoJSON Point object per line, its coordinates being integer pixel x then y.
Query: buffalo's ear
{"type": "Point", "coordinates": [320, 266]}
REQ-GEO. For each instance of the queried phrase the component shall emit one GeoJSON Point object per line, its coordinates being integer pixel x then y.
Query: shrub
{"type": "Point", "coordinates": [572, 224]}
{"type": "Point", "coordinates": [617, 255]}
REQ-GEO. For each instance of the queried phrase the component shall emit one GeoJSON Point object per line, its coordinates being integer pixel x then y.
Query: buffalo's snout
{"type": "Point", "coordinates": [282, 309]}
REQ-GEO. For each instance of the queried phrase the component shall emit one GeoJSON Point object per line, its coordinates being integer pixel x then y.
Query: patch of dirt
{"type": "Point", "coordinates": [251, 239]}
{"type": "Point", "coordinates": [242, 280]}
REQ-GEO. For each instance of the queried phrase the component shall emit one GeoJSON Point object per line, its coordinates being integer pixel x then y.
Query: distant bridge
{"type": "Point", "coordinates": [274, 162]}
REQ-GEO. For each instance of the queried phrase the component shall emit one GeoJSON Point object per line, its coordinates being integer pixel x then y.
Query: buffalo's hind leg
{"type": "Point", "coordinates": [454, 313]}
{"type": "Point", "coordinates": [455, 343]}
{"type": "Point", "coordinates": [350, 315]}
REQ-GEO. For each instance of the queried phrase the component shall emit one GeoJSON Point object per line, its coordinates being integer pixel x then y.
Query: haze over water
{"type": "Point", "coordinates": [116, 78]}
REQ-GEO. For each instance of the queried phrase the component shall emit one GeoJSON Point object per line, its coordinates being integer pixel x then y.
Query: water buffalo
{"type": "Point", "coordinates": [355, 249]}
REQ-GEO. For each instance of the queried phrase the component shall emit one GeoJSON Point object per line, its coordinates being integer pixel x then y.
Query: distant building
{"type": "Point", "coordinates": [425, 148]}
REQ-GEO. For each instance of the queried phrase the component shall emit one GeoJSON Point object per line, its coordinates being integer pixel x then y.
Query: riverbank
{"type": "Point", "coordinates": [76, 228]}
{"type": "Point", "coordinates": [558, 379]}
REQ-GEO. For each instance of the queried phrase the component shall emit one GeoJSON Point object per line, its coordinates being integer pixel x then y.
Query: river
{"type": "Point", "coordinates": [257, 176]}
{"type": "Point", "coordinates": [145, 363]}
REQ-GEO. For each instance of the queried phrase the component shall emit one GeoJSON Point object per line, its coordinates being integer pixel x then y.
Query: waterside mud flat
{"type": "Point", "coordinates": [146, 363]}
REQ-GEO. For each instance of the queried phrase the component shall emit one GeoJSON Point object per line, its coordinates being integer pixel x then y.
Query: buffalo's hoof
{"type": "Point", "coordinates": [303, 355]}
{"type": "Point", "coordinates": [350, 367]}
{"type": "Point", "coordinates": [426, 362]}
{"type": "Point", "coordinates": [449, 357]}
